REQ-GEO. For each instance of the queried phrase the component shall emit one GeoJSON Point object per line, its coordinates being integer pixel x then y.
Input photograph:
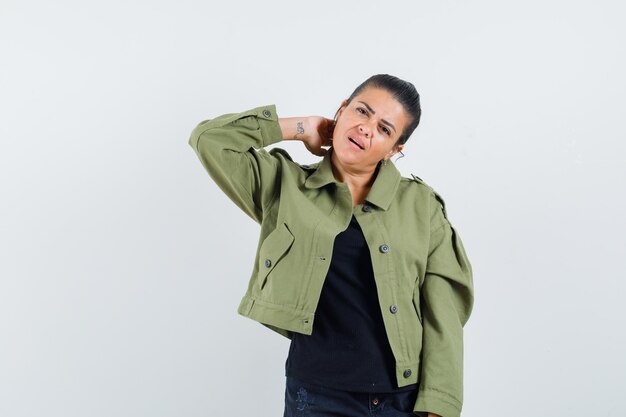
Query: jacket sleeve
{"type": "Point", "coordinates": [447, 297]}
{"type": "Point", "coordinates": [227, 147]}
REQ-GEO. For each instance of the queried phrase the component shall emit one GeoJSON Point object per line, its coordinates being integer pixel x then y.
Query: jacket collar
{"type": "Point", "coordinates": [382, 191]}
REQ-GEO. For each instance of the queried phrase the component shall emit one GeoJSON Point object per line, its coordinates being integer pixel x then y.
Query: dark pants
{"type": "Point", "coordinates": [306, 400]}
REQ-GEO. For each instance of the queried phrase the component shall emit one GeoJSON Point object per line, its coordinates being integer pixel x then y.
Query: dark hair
{"type": "Point", "coordinates": [401, 90]}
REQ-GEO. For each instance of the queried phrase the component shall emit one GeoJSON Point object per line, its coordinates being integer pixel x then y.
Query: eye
{"type": "Point", "coordinates": [387, 132]}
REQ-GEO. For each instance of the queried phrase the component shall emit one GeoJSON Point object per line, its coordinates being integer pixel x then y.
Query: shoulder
{"type": "Point", "coordinates": [287, 161]}
{"type": "Point", "coordinates": [433, 195]}
{"type": "Point", "coordinates": [280, 153]}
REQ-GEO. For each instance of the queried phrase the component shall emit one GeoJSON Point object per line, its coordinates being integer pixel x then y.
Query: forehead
{"type": "Point", "coordinates": [383, 103]}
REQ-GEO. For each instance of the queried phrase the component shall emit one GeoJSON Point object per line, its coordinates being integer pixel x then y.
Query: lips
{"type": "Point", "coordinates": [356, 141]}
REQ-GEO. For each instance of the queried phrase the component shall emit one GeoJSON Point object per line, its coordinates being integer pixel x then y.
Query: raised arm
{"type": "Point", "coordinates": [230, 148]}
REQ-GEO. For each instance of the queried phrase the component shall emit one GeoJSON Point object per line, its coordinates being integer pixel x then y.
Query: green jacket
{"type": "Point", "coordinates": [421, 270]}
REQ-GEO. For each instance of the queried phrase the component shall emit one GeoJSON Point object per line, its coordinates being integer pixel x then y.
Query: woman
{"type": "Point", "coordinates": [358, 266]}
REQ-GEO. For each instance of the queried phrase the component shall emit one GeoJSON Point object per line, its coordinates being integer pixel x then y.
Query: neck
{"type": "Point", "coordinates": [356, 178]}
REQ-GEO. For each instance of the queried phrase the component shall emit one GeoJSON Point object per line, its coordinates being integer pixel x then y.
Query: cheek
{"type": "Point", "coordinates": [386, 149]}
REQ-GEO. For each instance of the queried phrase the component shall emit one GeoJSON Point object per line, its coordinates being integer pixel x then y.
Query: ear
{"type": "Point", "coordinates": [395, 150]}
{"type": "Point", "coordinates": [342, 106]}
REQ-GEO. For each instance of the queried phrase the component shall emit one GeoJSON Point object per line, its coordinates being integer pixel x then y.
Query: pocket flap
{"type": "Point", "coordinates": [274, 247]}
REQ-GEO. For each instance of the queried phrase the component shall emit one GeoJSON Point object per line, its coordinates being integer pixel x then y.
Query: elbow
{"type": "Point", "coordinates": [194, 138]}
{"type": "Point", "coordinates": [465, 304]}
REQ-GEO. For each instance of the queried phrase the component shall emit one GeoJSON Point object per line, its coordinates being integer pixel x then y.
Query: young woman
{"type": "Point", "coordinates": [357, 265]}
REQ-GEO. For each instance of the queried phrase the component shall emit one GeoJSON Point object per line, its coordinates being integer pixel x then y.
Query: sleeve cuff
{"type": "Point", "coordinates": [268, 123]}
{"type": "Point", "coordinates": [431, 401]}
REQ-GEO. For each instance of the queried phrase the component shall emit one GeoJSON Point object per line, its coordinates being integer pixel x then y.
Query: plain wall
{"type": "Point", "coordinates": [122, 264]}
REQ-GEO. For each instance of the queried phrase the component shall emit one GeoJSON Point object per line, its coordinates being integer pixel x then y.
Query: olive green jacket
{"type": "Point", "coordinates": [421, 270]}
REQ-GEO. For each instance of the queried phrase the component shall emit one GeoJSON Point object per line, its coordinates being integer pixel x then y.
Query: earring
{"type": "Point", "coordinates": [384, 162]}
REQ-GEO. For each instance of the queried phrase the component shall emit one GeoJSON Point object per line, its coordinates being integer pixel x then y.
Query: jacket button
{"type": "Point", "coordinates": [407, 373]}
{"type": "Point", "coordinates": [384, 248]}
{"type": "Point", "coordinates": [366, 208]}
{"type": "Point", "coordinates": [267, 113]}
{"type": "Point", "coordinates": [268, 263]}
{"type": "Point", "coordinates": [393, 309]}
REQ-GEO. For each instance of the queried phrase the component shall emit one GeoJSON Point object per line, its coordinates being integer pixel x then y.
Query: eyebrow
{"type": "Point", "coordinates": [373, 112]}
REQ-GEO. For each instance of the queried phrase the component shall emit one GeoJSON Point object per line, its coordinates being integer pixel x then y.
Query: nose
{"type": "Point", "coordinates": [364, 129]}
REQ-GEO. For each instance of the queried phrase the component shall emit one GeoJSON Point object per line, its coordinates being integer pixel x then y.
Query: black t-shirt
{"type": "Point", "coordinates": [348, 348]}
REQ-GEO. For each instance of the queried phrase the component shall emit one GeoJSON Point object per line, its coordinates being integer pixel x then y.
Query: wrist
{"type": "Point", "coordinates": [294, 128]}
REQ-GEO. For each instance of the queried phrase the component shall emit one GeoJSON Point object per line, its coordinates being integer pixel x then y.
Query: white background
{"type": "Point", "coordinates": [122, 264]}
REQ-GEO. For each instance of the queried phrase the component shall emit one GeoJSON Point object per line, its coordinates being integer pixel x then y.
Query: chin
{"type": "Point", "coordinates": [345, 157]}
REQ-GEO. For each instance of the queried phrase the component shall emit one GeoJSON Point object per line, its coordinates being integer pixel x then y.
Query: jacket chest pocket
{"type": "Point", "coordinates": [272, 250]}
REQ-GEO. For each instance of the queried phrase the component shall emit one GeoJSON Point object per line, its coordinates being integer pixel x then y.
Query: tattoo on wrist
{"type": "Point", "coordinates": [300, 129]}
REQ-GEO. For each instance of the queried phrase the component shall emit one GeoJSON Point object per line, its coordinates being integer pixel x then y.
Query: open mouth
{"type": "Point", "coordinates": [355, 142]}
